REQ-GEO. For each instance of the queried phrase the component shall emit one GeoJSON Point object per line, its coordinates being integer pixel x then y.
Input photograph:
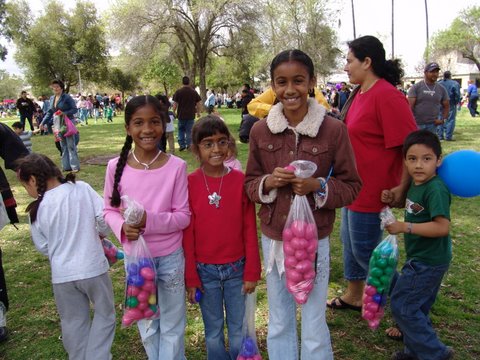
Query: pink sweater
{"type": "Point", "coordinates": [163, 193]}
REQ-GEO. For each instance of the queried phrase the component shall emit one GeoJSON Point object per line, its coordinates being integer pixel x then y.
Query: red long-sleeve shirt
{"type": "Point", "coordinates": [223, 235]}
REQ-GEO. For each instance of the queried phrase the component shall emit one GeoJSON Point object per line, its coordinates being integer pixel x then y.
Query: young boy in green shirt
{"type": "Point", "coordinates": [428, 246]}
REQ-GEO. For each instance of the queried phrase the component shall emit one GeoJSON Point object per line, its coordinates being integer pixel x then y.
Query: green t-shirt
{"type": "Point", "coordinates": [424, 203]}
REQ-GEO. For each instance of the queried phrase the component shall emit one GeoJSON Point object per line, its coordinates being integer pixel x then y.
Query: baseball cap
{"type": "Point", "coordinates": [432, 66]}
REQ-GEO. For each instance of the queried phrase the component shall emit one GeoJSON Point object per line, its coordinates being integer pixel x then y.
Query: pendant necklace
{"type": "Point", "coordinates": [147, 166]}
{"type": "Point", "coordinates": [430, 91]}
{"type": "Point", "coordinates": [214, 198]}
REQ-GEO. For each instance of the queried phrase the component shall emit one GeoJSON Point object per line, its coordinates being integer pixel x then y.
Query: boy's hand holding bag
{"type": "Point", "coordinates": [141, 288]}
{"type": "Point", "coordinates": [300, 240]}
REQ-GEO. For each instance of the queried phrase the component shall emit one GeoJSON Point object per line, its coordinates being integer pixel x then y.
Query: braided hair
{"type": "Point", "coordinates": [42, 168]}
{"type": "Point", "coordinates": [132, 106]}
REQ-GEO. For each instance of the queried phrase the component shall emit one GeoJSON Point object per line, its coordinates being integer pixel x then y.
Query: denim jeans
{"type": "Point", "coordinates": [185, 132]}
{"type": "Point", "coordinates": [163, 338]}
{"type": "Point", "coordinates": [282, 340]}
{"type": "Point", "coordinates": [360, 233]}
{"type": "Point", "coordinates": [472, 105]}
{"type": "Point", "coordinates": [430, 127]}
{"type": "Point", "coordinates": [223, 288]}
{"type": "Point", "coordinates": [412, 297]}
{"type": "Point", "coordinates": [70, 159]}
{"type": "Point", "coordinates": [445, 131]}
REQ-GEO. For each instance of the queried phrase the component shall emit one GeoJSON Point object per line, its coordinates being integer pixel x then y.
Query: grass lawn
{"type": "Point", "coordinates": [34, 324]}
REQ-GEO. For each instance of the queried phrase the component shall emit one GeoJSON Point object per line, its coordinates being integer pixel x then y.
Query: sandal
{"type": "Point", "coordinates": [339, 304]}
{"type": "Point", "coordinates": [394, 329]}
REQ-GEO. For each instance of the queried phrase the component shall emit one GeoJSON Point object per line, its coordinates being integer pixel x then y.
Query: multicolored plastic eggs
{"type": "Point", "coordinates": [382, 266]}
{"type": "Point", "coordinates": [141, 292]}
{"type": "Point", "coordinates": [112, 253]}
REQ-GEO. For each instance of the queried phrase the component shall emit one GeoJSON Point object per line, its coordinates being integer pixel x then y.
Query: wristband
{"type": "Point", "coordinates": [409, 228]}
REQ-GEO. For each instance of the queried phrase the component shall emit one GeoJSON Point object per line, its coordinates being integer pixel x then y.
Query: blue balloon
{"type": "Point", "coordinates": [198, 295]}
{"type": "Point", "coordinates": [460, 171]}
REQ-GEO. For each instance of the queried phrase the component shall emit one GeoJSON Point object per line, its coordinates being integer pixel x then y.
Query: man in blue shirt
{"type": "Point", "coordinates": [472, 92]}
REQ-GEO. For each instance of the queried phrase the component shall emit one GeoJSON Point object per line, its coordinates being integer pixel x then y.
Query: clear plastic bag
{"type": "Point", "coordinates": [300, 240]}
{"type": "Point", "coordinates": [382, 267]}
{"type": "Point", "coordinates": [141, 289]}
{"type": "Point", "coordinates": [112, 253]}
{"type": "Point", "coordinates": [249, 349]}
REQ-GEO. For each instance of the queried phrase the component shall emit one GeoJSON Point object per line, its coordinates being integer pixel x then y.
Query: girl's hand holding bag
{"type": "Point", "coordinates": [141, 288]}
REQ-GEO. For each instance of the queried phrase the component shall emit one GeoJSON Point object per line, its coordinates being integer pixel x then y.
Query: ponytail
{"type": "Point", "coordinates": [42, 168]}
{"type": "Point", "coordinates": [122, 161]}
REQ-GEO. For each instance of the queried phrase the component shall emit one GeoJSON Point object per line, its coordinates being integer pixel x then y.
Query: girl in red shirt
{"type": "Point", "coordinates": [221, 244]}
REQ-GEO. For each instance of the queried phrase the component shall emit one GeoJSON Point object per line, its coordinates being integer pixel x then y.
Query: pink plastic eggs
{"type": "Point", "coordinates": [301, 255]}
{"type": "Point", "coordinates": [132, 290]}
{"type": "Point", "coordinates": [370, 290]}
{"type": "Point", "coordinates": [294, 276]}
{"type": "Point", "coordinates": [147, 273]}
{"type": "Point", "coordinates": [148, 313]}
{"type": "Point", "coordinates": [149, 286]}
{"type": "Point", "coordinates": [290, 262]}
{"type": "Point", "coordinates": [287, 235]}
{"type": "Point", "coordinates": [143, 296]}
{"type": "Point", "coordinates": [288, 249]}
{"type": "Point", "coordinates": [303, 266]}
{"type": "Point", "coordinates": [298, 228]}
{"type": "Point", "coordinates": [311, 231]}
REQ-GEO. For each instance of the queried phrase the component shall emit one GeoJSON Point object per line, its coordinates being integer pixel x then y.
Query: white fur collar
{"type": "Point", "coordinates": [277, 122]}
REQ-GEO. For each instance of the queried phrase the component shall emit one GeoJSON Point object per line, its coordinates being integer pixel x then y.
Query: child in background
{"type": "Point", "coordinates": [66, 221]}
{"type": "Point", "coordinates": [25, 136]}
{"type": "Point", "coordinates": [221, 243]}
{"type": "Point", "coordinates": [428, 246]}
{"type": "Point", "coordinates": [159, 182]}
{"type": "Point", "coordinates": [169, 133]}
{"type": "Point", "coordinates": [109, 113]}
{"type": "Point", "coordinates": [231, 160]}
{"type": "Point", "coordinates": [297, 128]}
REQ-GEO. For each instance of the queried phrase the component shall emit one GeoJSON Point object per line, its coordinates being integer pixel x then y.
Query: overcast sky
{"type": "Point", "coordinates": [372, 17]}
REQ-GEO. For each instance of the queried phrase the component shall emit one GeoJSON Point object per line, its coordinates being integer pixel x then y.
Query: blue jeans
{"type": "Point", "coordinates": [449, 125]}
{"type": "Point", "coordinates": [430, 127]}
{"type": "Point", "coordinates": [163, 338]}
{"type": "Point", "coordinates": [282, 340]}
{"type": "Point", "coordinates": [360, 233]}
{"type": "Point", "coordinates": [185, 132]}
{"type": "Point", "coordinates": [472, 105]}
{"type": "Point", "coordinates": [412, 297]}
{"type": "Point", "coordinates": [70, 159]}
{"type": "Point", "coordinates": [223, 287]}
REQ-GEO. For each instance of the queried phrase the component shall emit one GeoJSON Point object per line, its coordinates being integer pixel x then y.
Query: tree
{"type": "Point", "coordinates": [122, 81]}
{"type": "Point", "coordinates": [161, 70]}
{"type": "Point", "coordinates": [10, 86]}
{"type": "Point", "coordinates": [3, 49]}
{"type": "Point", "coordinates": [304, 25]}
{"type": "Point", "coordinates": [194, 29]}
{"type": "Point", "coordinates": [59, 44]}
{"type": "Point", "coordinates": [463, 36]}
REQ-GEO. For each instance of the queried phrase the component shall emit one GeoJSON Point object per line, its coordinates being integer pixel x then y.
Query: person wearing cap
{"type": "Point", "coordinates": [445, 131]}
{"type": "Point", "coordinates": [427, 98]}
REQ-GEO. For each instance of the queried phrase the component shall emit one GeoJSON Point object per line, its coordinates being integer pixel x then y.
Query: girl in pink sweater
{"type": "Point", "coordinates": [158, 181]}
